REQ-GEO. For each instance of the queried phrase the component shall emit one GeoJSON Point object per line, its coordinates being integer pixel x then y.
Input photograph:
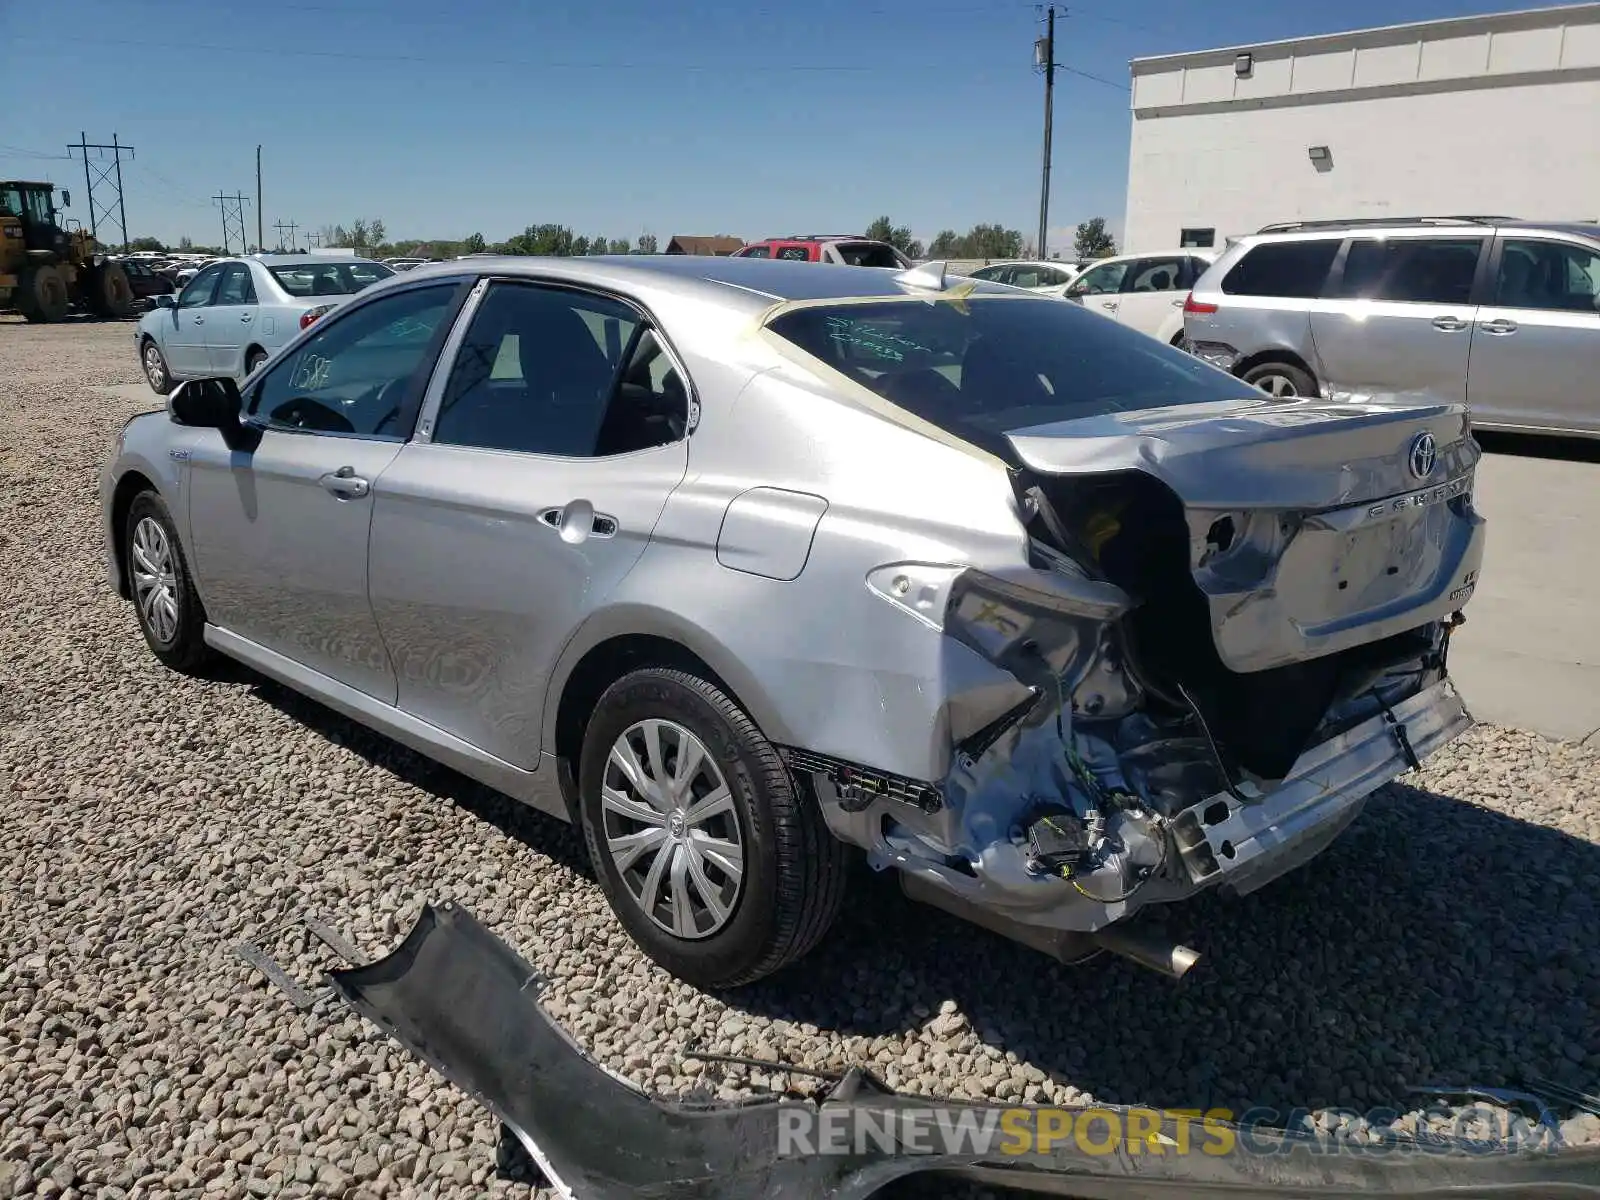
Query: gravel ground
{"type": "Point", "coordinates": [148, 822]}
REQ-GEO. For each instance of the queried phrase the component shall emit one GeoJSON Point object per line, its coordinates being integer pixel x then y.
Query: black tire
{"type": "Point", "coordinates": [156, 372]}
{"type": "Point", "coordinates": [183, 646]}
{"type": "Point", "coordinates": [794, 870]}
{"type": "Point", "coordinates": [1281, 379]}
{"type": "Point", "coordinates": [108, 292]}
{"type": "Point", "coordinates": [253, 360]}
{"type": "Point", "coordinates": [43, 297]}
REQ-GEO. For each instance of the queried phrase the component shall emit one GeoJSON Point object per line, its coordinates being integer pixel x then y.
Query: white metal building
{"type": "Point", "coordinates": [1493, 115]}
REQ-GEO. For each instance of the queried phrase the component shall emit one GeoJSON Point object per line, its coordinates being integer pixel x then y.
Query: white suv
{"type": "Point", "coordinates": [1143, 291]}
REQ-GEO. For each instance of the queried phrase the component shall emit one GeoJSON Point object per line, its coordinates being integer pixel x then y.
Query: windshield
{"type": "Point", "coordinates": [328, 278]}
{"type": "Point", "coordinates": [988, 365]}
{"type": "Point", "coordinates": [868, 254]}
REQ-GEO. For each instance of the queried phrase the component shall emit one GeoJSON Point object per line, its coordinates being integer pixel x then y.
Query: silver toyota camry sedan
{"type": "Point", "coordinates": [750, 566]}
{"type": "Point", "coordinates": [233, 315]}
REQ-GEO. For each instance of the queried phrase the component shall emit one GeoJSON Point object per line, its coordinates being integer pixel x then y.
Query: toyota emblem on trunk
{"type": "Point", "coordinates": [1424, 451]}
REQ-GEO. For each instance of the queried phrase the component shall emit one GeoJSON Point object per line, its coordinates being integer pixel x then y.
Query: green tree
{"type": "Point", "coordinates": [474, 244]}
{"type": "Point", "coordinates": [547, 240]}
{"type": "Point", "coordinates": [946, 244]}
{"type": "Point", "coordinates": [992, 241]}
{"type": "Point", "coordinates": [1092, 240]}
{"type": "Point", "coordinates": [597, 245]}
{"type": "Point", "coordinates": [620, 246]}
{"type": "Point", "coordinates": [580, 246]}
{"type": "Point", "coordinates": [186, 242]}
{"type": "Point", "coordinates": [146, 243]}
{"type": "Point", "coordinates": [647, 243]}
{"type": "Point", "coordinates": [898, 236]}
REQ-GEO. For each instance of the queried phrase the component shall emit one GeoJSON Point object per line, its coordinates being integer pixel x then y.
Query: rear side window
{"type": "Point", "coordinates": [794, 253]}
{"type": "Point", "coordinates": [1419, 270]}
{"type": "Point", "coordinates": [1294, 270]}
{"type": "Point", "coordinates": [867, 254]}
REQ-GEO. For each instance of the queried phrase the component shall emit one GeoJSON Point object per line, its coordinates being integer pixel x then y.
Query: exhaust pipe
{"type": "Point", "coordinates": [1170, 959]}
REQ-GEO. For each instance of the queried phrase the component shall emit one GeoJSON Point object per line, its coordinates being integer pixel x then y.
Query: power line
{"type": "Point", "coordinates": [108, 177]}
{"type": "Point", "coordinates": [280, 226]}
{"type": "Point", "coordinates": [1112, 83]}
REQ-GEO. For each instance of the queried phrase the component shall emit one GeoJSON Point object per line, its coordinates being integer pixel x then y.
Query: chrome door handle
{"type": "Point", "coordinates": [245, 316]}
{"type": "Point", "coordinates": [199, 320]}
{"type": "Point", "coordinates": [1177, 303]}
{"type": "Point", "coordinates": [345, 483]}
{"type": "Point", "coordinates": [1449, 324]}
{"type": "Point", "coordinates": [1113, 306]}
{"type": "Point", "coordinates": [1499, 325]}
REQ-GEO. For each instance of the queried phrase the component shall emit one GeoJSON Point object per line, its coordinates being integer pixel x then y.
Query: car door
{"type": "Point", "coordinates": [538, 472]}
{"type": "Point", "coordinates": [231, 323]}
{"type": "Point", "coordinates": [1398, 315]}
{"type": "Point", "coordinates": [183, 332]}
{"type": "Point", "coordinates": [1152, 289]}
{"type": "Point", "coordinates": [1536, 348]}
{"type": "Point", "coordinates": [1099, 289]}
{"type": "Point", "coordinates": [279, 533]}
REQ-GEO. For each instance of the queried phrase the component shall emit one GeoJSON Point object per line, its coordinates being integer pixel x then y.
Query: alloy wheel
{"type": "Point", "coordinates": [155, 370]}
{"type": "Point", "coordinates": [1276, 385]}
{"type": "Point", "coordinates": [155, 583]}
{"type": "Point", "coordinates": [671, 828]}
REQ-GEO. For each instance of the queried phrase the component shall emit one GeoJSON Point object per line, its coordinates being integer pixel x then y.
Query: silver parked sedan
{"type": "Point", "coordinates": [233, 315]}
{"type": "Point", "coordinates": [742, 563]}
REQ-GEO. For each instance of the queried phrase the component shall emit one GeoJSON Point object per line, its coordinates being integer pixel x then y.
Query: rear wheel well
{"type": "Point", "coordinates": [597, 670]}
{"type": "Point", "coordinates": [254, 348]}
{"type": "Point", "coordinates": [1273, 356]}
{"type": "Point", "coordinates": [129, 486]}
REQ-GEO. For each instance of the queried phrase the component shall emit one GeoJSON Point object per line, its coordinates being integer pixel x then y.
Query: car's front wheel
{"type": "Point", "coordinates": [155, 367]}
{"type": "Point", "coordinates": [171, 616]}
{"type": "Point", "coordinates": [717, 867]}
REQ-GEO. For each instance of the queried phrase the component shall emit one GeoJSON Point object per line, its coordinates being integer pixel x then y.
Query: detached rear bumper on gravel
{"type": "Point", "coordinates": [463, 1001]}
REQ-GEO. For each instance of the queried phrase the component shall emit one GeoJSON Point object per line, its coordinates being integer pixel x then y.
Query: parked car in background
{"type": "Point", "coordinates": [1501, 315]}
{"type": "Point", "coordinates": [1142, 291]}
{"type": "Point", "coordinates": [145, 281]}
{"type": "Point", "coordinates": [739, 564]}
{"type": "Point", "coordinates": [843, 249]}
{"type": "Point", "coordinates": [233, 314]}
{"type": "Point", "coordinates": [405, 264]}
{"type": "Point", "coordinates": [1050, 278]}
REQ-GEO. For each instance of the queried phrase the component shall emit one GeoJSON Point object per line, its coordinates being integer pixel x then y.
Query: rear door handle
{"type": "Point", "coordinates": [1113, 306]}
{"type": "Point", "coordinates": [1499, 325]}
{"type": "Point", "coordinates": [1449, 324]}
{"type": "Point", "coordinates": [577, 521]}
{"type": "Point", "coordinates": [245, 316]}
{"type": "Point", "coordinates": [345, 483]}
{"type": "Point", "coordinates": [199, 320]}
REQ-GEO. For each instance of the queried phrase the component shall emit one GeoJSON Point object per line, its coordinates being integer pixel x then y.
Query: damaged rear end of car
{"type": "Point", "coordinates": [1228, 628]}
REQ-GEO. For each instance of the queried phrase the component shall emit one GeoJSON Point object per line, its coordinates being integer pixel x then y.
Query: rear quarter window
{"type": "Point", "coordinates": [1293, 270]}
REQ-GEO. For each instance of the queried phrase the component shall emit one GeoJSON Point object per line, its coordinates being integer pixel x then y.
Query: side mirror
{"type": "Point", "coordinates": [66, 198]}
{"type": "Point", "coordinates": [164, 300]}
{"type": "Point", "coordinates": [213, 404]}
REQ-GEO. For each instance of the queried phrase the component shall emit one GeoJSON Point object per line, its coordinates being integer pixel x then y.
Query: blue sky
{"type": "Point", "coordinates": [612, 116]}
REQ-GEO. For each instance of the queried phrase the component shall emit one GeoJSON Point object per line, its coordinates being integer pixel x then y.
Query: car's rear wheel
{"type": "Point", "coordinates": [155, 367]}
{"type": "Point", "coordinates": [43, 296]}
{"type": "Point", "coordinates": [717, 867]}
{"type": "Point", "coordinates": [170, 614]}
{"type": "Point", "coordinates": [1281, 379]}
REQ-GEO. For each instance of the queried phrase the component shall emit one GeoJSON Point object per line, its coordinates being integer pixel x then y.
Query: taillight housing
{"type": "Point", "coordinates": [1197, 307]}
{"type": "Point", "coordinates": [311, 314]}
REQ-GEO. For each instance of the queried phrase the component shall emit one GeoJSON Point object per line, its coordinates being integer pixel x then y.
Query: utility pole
{"type": "Point", "coordinates": [1044, 58]}
{"type": "Point", "coordinates": [315, 239]}
{"type": "Point", "coordinates": [107, 175]}
{"type": "Point", "coordinates": [261, 241]}
{"type": "Point", "coordinates": [232, 219]}
{"type": "Point", "coordinates": [280, 226]}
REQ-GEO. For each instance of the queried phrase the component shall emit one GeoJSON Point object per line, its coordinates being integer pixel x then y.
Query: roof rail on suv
{"type": "Point", "coordinates": [823, 237]}
{"type": "Point", "coordinates": [1359, 222]}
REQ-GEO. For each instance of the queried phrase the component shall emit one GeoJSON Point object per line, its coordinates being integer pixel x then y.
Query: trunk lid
{"type": "Point", "coordinates": [1312, 526]}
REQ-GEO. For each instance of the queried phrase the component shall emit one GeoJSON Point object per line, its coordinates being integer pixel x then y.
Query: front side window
{"type": "Point", "coordinates": [756, 252]}
{"type": "Point", "coordinates": [1001, 363]}
{"type": "Point", "coordinates": [236, 287]}
{"type": "Point", "coordinates": [198, 292]}
{"type": "Point", "coordinates": [992, 274]}
{"type": "Point", "coordinates": [1548, 275]}
{"type": "Point", "coordinates": [541, 372]}
{"type": "Point", "coordinates": [1097, 281]}
{"type": "Point", "coordinates": [1292, 270]}
{"type": "Point", "coordinates": [353, 375]}
{"type": "Point", "coordinates": [11, 201]}
{"type": "Point", "coordinates": [1156, 275]}
{"type": "Point", "coordinates": [1417, 270]}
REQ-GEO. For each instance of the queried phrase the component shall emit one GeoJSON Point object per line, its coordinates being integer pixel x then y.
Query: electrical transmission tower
{"type": "Point", "coordinates": [108, 176]}
{"type": "Point", "coordinates": [280, 226]}
{"type": "Point", "coordinates": [233, 220]}
{"type": "Point", "coordinates": [315, 239]}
